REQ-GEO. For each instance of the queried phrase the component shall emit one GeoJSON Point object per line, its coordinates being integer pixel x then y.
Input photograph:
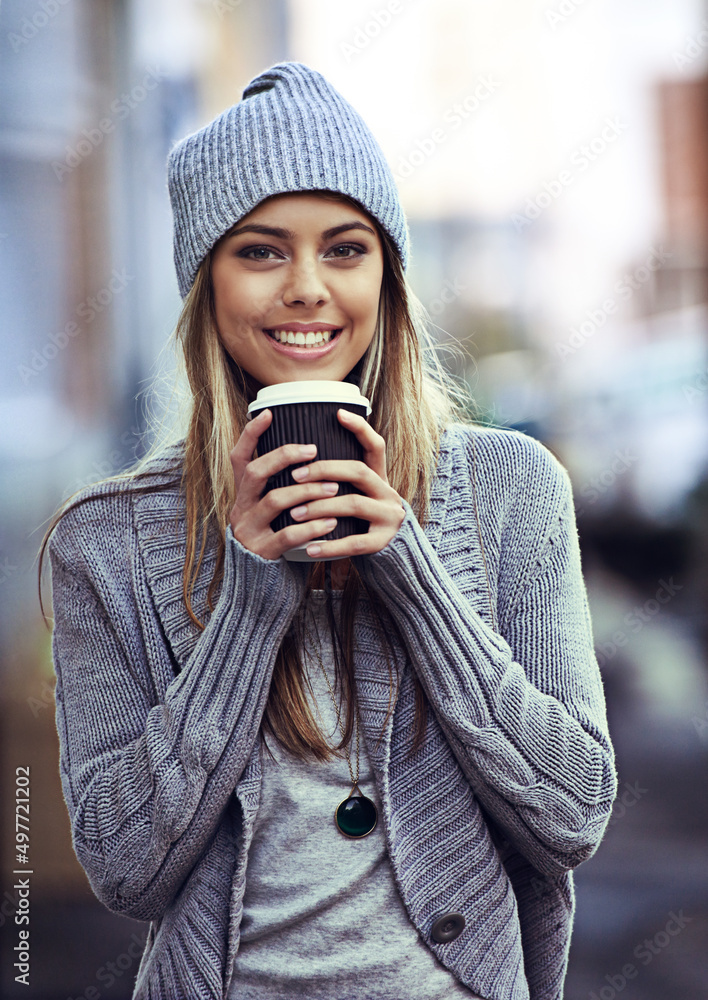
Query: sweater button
{"type": "Point", "coordinates": [447, 927]}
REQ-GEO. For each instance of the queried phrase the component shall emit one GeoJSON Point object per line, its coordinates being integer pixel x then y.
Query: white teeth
{"type": "Point", "coordinates": [309, 339]}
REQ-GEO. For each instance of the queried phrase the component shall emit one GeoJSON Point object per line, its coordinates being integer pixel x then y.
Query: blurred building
{"type": "Point", "coordinates": [94, 93]}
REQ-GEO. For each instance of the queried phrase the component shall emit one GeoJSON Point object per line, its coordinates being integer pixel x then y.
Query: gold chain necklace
{"type": "Point", "coordinates": [356, 816]}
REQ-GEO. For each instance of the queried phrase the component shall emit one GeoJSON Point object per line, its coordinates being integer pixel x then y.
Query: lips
{"type": "Point", "coordinates": [304, 325]}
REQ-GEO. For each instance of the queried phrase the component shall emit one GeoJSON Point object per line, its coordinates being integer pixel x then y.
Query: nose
{"type": "Point", "coordinates": [305, 284]}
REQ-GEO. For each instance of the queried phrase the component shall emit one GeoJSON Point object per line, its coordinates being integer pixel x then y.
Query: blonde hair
{"type": "Point", "coordinates": [413, 400]}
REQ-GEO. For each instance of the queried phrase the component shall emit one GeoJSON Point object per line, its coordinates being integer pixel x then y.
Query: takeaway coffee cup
{"type": "Point", "coordinates": [306, 413]}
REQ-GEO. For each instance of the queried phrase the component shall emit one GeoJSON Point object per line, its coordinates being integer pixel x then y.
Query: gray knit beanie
{"type": "Point", "coordinates": [291, 131]}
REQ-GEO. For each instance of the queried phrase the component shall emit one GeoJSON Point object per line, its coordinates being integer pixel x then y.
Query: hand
{"type": "Point", "coordinates": [380, 505]}
{"type": "Point", "coordinates": [252, 513]}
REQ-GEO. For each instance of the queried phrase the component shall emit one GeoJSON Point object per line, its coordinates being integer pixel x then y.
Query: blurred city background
{"type": "Point", "coordinates": [552, 158]}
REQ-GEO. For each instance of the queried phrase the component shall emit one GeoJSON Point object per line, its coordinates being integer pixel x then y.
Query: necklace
{"type": "Point", "coordinates": [356, 816]}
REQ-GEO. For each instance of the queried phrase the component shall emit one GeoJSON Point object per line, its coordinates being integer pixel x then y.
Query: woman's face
{"type": "Point", "coordinates": [304, 264]}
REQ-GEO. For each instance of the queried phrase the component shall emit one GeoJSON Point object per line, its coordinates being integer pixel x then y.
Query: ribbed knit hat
{"type": "Point", "coordinates": [291, 131]}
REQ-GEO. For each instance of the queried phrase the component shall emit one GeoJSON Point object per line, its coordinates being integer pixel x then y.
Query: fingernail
{"type": "Point", "coordinates": [313, 550]}
{"type": "Point", "coordinates": [308, 450]}
{"type": "Point", "coordinates": [298, 511]}
{"type": "Point", "coordinates": [301, 473]}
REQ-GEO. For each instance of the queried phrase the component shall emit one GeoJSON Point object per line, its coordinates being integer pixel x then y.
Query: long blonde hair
{"type": "Point", "coordinates": [413, 400]}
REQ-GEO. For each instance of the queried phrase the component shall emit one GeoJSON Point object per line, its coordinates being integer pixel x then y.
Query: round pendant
{"type": "Point", "coordinates": [356, 816]}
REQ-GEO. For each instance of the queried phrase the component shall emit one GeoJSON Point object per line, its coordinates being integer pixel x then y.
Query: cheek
{"type": "Point", "coordinates": [240, 304]}
{"type": "Point", "coordinates": [363, 298]}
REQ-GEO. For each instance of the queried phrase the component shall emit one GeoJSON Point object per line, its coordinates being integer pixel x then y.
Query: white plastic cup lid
{"type": "Point", "coordinates": [309, 391]}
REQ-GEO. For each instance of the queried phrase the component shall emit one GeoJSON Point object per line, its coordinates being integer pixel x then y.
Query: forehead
{"type": "Point", "coordinates": [305, 204]}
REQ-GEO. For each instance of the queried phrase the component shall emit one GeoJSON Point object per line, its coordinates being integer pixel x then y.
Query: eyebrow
{"type": "Point", "coordinates": [287, 234]}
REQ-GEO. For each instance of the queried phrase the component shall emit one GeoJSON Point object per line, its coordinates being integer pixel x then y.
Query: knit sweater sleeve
{"type": "Point", "coordinates": [146, 783]}
{"type": "Point", "coordinates": [522, 708]}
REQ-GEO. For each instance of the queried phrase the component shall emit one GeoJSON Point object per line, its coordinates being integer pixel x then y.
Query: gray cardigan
{"type": "Point", "coordinates": [159, 722]}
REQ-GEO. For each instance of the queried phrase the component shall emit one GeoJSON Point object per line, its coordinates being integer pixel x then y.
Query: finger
{"type": "Point", "coordinates": [296, 534]}
{"type": "Point", "coordinates": [258, 471]}
{"type": "Point", "coordinates": [286, 497]}
{"type": "Point", "coordinates": [351, 545]}
{"type": "Point", "coordinates": [274, 502]}
{"type": "Point", "coordinates": [242, 452]}
{"type": "Point", "coordinates": [376, 512]}
{"type": "Point", "coordinates": [373, 444]}
{"type": "Point", "coordinates": [346, 470]}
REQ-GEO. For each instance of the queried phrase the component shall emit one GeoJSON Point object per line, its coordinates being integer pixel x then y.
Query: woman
{"type": "Point", "coordinates": [215, 702]}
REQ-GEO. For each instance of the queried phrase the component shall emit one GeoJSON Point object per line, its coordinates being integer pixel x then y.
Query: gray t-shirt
{"type": "Point", "coordinates": [322, 915]}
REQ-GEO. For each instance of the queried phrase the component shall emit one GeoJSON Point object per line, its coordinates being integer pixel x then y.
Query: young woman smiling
{"type": "Point", "coordinates": [304, 280]}
{"type": "Point", "coordinates": [215, 701]}
{"type": "Point", "coordinates": [298, 262]}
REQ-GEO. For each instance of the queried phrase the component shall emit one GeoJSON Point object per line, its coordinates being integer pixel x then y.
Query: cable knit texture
{"type": "Point", "coordinates": [291, 131]}
{"type": "Point", "coordinates": [159, 722]}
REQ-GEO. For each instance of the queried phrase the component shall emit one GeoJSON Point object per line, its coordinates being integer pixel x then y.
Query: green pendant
{"type": "Point", "coordinates": [356, 816]}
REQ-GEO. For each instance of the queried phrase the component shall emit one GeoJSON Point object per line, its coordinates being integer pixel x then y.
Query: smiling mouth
{"type": "Point", "coordinates": [304, 339]}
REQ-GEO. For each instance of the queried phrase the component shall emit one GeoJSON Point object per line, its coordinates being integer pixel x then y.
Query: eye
{"type": "Point", "coordinates": [259, 253]}
{"type": "Point", "coordinates": [349, 250]}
